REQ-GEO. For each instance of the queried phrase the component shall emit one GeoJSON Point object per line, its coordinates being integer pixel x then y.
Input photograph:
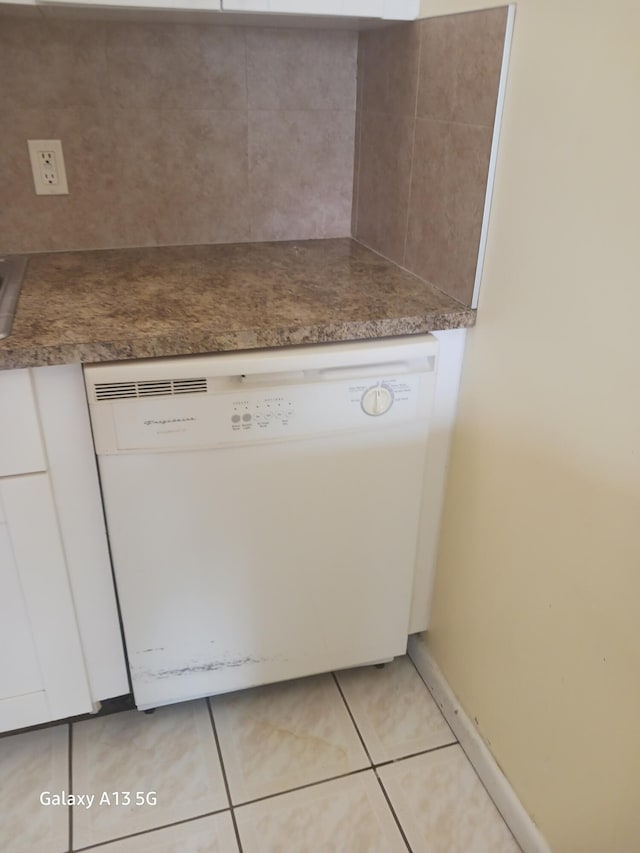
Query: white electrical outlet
{"type": "Point", "coordinates": [47, 165]}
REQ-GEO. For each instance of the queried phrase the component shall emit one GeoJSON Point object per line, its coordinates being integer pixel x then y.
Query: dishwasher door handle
{"type": "Point", "coordinates": [395, 368]}
{"type": "Point", "coordinates": [276, 378]}
{"type": "Point", "coordinates": [327, 374]}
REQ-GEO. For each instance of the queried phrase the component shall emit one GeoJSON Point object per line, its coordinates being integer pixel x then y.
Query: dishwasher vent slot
{"type": "Point", "coordinates": [153, 388]}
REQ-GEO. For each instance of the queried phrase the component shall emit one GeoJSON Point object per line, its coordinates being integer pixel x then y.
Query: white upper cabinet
{"type": "Point", "coordinates": [399, 10]}
{"type": "Point", "coordinates": [188, 5]}
{"type": "Point", "coordinates": [392, 9]}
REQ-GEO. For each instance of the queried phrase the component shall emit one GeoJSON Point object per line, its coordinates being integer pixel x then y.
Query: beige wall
{"type": "Point", "coordinates": [535, 622]}
{"type": "Point", "coordinates": [176, 133]}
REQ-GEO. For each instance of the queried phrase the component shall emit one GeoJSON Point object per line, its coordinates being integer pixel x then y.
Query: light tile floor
{"type": "Point", "coordinates": [357, 762]}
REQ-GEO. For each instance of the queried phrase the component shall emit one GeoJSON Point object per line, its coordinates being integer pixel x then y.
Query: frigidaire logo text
{"type": "Point", "coordinates": [169, 421]}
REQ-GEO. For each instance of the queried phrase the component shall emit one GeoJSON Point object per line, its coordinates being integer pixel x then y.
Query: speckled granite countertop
{"type": "Point", "coordinates": [138, 303]}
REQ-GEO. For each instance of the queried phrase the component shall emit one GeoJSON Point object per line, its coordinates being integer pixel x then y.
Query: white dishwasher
{"type": "Point", "coordinates": [263, 509]}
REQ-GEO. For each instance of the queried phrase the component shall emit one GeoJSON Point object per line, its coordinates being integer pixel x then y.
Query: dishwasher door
{"type": "Point", "coordinates": [247, 554]}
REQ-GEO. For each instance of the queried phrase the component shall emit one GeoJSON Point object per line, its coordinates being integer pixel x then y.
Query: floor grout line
{"type": "Point", "coordinates": [302, 787]}
{"type": "Point", "coordinates": [353, 719]}
{"type": "Point", "coordinates": [374, 766]}
{"type": "Point", "coordinates": [149, 831]}
{"type": "Point", "coordinates": [70, 785]}
{"type": "Point", "coordinates": [393, 811]}
{"type": "Point", "coordinates": [228, 808]}
{"type": "Point", "coordinates": [400, 758]}
{"type": "Point", "coordinates": [224, 774]}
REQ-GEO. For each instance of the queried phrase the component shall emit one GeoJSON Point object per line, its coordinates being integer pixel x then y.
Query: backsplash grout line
{"type": "Point", "coordinates": [356, 175]}
{"type": "Point", "coordinates": [249, 194]}
{"type": "Point", "coordinates": [246, 70]}
{"type": "Point", "coordinates": [357, 144]}
{"type": "Point", "coordinates": [406, 269]}
{"type": "Point", "coordinates": [433, 119]}
{"type": "Point", "coordinates": [413, 151]}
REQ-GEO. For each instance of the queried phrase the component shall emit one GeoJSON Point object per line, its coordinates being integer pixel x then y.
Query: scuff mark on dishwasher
{"type": "Point", "coordinates": [196, 667]}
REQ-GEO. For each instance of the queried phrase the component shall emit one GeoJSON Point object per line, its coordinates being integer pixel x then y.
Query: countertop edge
{"type": "Point", "coordinates": [236, 340]}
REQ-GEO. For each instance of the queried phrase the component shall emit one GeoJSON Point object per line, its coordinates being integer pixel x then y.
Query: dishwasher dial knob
{"type": "Point", "coordinates": [377, 400]}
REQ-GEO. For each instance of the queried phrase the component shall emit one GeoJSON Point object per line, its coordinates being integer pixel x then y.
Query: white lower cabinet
{"type": "Point", "coordinates": [42, 671]}
{"type": "Point", "coordinates": [19, 670]}
{"type": "Point", "coordinates": [61, 649]}
{"type": "Point", "coordinates": [73, 475]}
{"type": "Point", "coordinates": [21, 449]}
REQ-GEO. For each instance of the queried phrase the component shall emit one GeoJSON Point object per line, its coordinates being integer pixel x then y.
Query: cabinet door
{"type": "Point", "coordinates": [354, 8]}
{"type": "Point", "coordinates": [66, 430]}
{"type": "Point", "coordinates": [43, 659]}
{"type": "Point", "coordinates": [19, 671]}
{"type": "Point", "coordinates": [399, 10]}
{"type": "Point", "coordinates": [20, 445]}
{"type": "Point", "coordinates": [201, 5]}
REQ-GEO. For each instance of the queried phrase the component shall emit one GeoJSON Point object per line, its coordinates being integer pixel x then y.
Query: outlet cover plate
{"type": "Point", "coordinates": [47, 167]}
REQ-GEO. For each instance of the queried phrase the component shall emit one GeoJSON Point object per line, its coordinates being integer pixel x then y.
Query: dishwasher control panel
{"type": "Point", "coordinates": [262, 413]}
{"type": "Point", "coordinates": [256, 414]}
{"type": "Point", "coordinates": [324, 407]}
{"type": "Point", "coordinates": [235, 399]}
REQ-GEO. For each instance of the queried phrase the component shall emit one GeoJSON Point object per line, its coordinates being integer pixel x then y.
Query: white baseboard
{"type": "Point", "coordinates": [519, 822]}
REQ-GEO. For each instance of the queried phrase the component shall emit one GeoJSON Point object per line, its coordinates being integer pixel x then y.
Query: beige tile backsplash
{"type": "Point", "coordinates": [301, 171]}
{"type": "Point", "coordinates": [183, 134]}
{"type": "Point", "coordinates": [176, 133]}
{"type": "Point", "coordinates": [301, 69]}
{"type": "Point", "coordinates": [386, 145]}
{"type": "Point", "coordinates": [423, 154]}
{"type": "Point", "coordinates": [460, 60]}
{"type": "Point", "coordinates": [176, 67]}
{"type": "Point", "coordinates": [446, 203]}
